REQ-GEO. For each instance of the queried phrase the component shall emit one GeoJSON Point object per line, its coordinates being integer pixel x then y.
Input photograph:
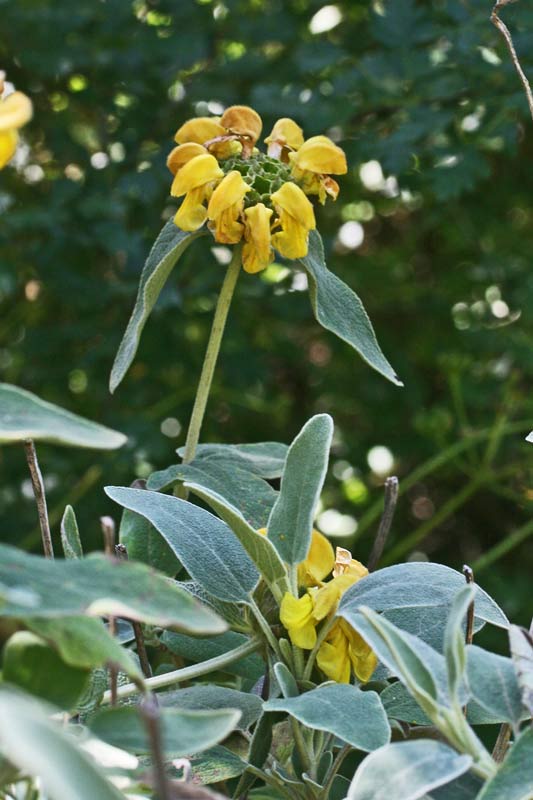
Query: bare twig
{"type": "Point", "coordinates": [469, 635]}
{"type": "Point", "coordinates": [108, 530]}
{"type": "Point", "coordinates": [151, 715]}
{"type": "Point", "coordinates": [502, 743]}
{"type": "Point", "coordinates": [389, 506]}
{"type": "Point", "coordinates": [504, 30]}
{"type": "Point", "coordinates": [122, 554]}
{"type": "Point", "coordinates": [40, 497]}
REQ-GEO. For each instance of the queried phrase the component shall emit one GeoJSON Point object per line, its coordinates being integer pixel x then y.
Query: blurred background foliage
{"type": "Point", "coordinates": [432, 228]}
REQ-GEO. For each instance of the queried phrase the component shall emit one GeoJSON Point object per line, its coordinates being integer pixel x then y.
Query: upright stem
{"type": "Point", "coordinates": [211, 355]}
{"type": "Point", "coordinates": [40, 497]}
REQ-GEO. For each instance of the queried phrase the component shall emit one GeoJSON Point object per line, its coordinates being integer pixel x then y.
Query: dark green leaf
{"type": "Point", "coordinates": [514, 779]}
{"type": "Point", "coordinates": [521, 643]}
{"type": "Point", "coordinates": [206, 697]}
{"type": "Point", "coordinates": [167, 249]}
{"type": "Point", "coordinates": [196, 650]}
{"type": "Point", "coordinates": [144, 543]}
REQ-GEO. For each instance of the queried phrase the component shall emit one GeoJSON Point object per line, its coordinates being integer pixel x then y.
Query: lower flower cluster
{"type": "Point", "coordinates": [249, 196]}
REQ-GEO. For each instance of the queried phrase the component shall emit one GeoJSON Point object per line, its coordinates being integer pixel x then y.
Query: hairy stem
{"type": "Point", "coordinates": [211, 355]}
{"type": "Point", "coordinates": [188, 673]}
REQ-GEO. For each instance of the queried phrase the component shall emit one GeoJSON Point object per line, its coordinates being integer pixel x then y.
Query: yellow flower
{"type": "Point", "coordinates": [15, 111]}
{"type": "Point", "coordinates": [257, 251]}
{"type": "Point", "coordinates": [226, 206]}
{"type": "Point", "coordinates": [285, 137]}
{"type": "Point", "coordinates": [296, 615]}
{"type": "Point", "coordinates": [183, 153]}
{"type": "Point", "coordinates": [318, 562]}
{"type": "Point", "coordinates": [346, 565]}
{"type": "Point", "coordinates": [245, 123]}
{"type": "Point", "coordinates": [343, 651]}
{"type": "Point", "coordinates": [314, 162]}
{"type": "Point", "coordinates": [296, 218]}
{"type": "Point", "coordinates": [196, 180]}
{"type": "Point", "coordinates": [199, 130]}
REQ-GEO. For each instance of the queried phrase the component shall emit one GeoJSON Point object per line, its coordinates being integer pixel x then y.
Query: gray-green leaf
{"type": "Point", "coordinates": [355, 716]}
{"type": "Point", "coordinates": [417, 597]}
{"type": "Point", "coordinates": [32, 586]}
{"type": "Point", "coordinates": [339, 310]}
{"type": "Point", "coordinates": [39, 747]}
{"type": "Point", "coordinates": [406, 771]}
{"type": "Point", "coordinates": [291, 521]}
{"type": "Point", "coordinates": [265, 459]}
{"type": "Point", "coordinates": [70, 536]}
{"type": "Point", "coordinates": [23, 415]}
{"type": "Point", "coordinates": [201, 649]}
{"type": "Point", "coordinates": [206, 697]}
{"type": "Point", "coordinates": [514, 779]}
{"type": "Point", "coordinates": [167, 249]}
{"type": "Point", "coordinates": [183, 732]}
{"type": "Point", "coordinates": [454, 637]}
{"type": "Point", "coordinates": [207, 548]}
{"type": "Point", "coordinates": [521, 643]}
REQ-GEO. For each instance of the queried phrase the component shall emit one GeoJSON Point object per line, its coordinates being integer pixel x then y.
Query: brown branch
{"type": "Point", "coordinates": [504, 30]}
{"type": "Point", "coordinates": [108, 531]}
{"type": "Point", "coordinates": [469, 577]}
{"type": "Point", "coordinates": [40, 497]}
{"type": "Point", "coordinates": [151, 715]}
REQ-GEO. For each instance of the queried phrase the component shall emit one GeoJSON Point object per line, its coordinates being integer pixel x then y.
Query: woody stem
{"type": "Point", "coordinates": [211, 355]}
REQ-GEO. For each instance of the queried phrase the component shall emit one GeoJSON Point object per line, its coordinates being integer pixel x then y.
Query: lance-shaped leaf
{"type": "Point", "coordinates": [206, 547]}
{"type": "Point", "coordinates": [521, 643]}
{"type": "Point", "coordinates": [145, 544]}
{"type": "Point", "coordinates": [23, 415]}
{"type": "Point", "coordinates": [205, 697]}
{"type": "Point", "coordinates": [356, 717]}
{"type": "Point", "coordinates": [339, 310]}
{"type": "Point", "coordinates": [454, 637]}
{"type": "Point", "coordinates": [167, 249]}
{"type": "Point", "coordinates": [198, 649]}
{"type": "Point", "coordinates": [260, 549]}
{"type": "Point", "coordinates": [70, 535]}
{"type": "Point", "coordinates": [40, 747]}
{"type": "Point", "coordinates": [417, 597]}
{"type": "Point", "coordinates": [494, 687]}
{"type": "Point", "coordinates": [265, 459]}
{"type": "Point", "coordinates": [183, 732]}
{"type": "Point", "coordinates": [32, 586]}
{"type": "Point", "coordinates": [514, 779]}
{"type": "Point", "coordinates": [246, 491]}
{"type": "Point", "coordinates": [406, 771]}
{"type": "Point", "coordinates": [291, 521]}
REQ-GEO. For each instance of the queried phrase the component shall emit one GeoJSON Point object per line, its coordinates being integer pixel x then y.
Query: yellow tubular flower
{"type": "Point", "coordinates": [318, 563]}
{"type": "Point", "coordinates": [257, 251]}
{"type": "Point", "coordinates": [296, 217]}
{"type": "Point", "coordinates": [333, 656]}
{"type": "Point", "coordinates": [15, 111]}
{"type": "Point", "coordinates": [242, 121]}
{"type": "Point", "coordinates": [199, 130]}
{"type": "Point", "coordinates": [286, 136]}
{"type": "Point", "coordinates": [346, 565]}
{"type": "Point", "coordinates": [361, 656]}
{"type": "Point", "coordinates": [183, 153]}
{"type": "Point", "coordinates": [196, 180]}
{"type": "Point", "coordinates": [225, 207]}
{"type": "Point", "coordinates": [296, 615]}
{"type": "Point", "coordinates": [319, 154]}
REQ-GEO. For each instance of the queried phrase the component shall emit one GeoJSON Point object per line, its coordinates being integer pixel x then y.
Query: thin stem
{"type": "Point", "coordinates": [265, 627]}
{"type": "Point", "coordinates": [389, 506]}
{"type": "Point", "coordinates": [188, 673]}
{"type": "Point", "coordinates": [504, 30]}
{"type": "Point", "coordinates": [211, 355]}
{"type": "Point", "coordinates": [305, 757]}
{"type": "Point", "coordinates": [122, 554]}
{"type": "Point", "coordinates": [150, 713]}
{"type": "Point", "coordinates": [40, 497]}
{"type": "Point", "coordinates": [332, 774]}
{"type": "Point", "coordinates": [468, 572]}
{"type": "Point", "coordinates": [505, 546]}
